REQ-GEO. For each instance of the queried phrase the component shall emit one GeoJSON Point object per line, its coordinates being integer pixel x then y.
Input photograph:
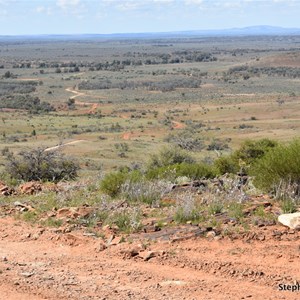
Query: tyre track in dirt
{"type": "Point", "coordinates": [50, 264]}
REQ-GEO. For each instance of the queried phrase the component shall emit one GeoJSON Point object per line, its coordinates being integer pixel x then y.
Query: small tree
{"type": "Point", "coordinates": [7, 75]}
{"type": "Point", "coordinates": [41, 165]}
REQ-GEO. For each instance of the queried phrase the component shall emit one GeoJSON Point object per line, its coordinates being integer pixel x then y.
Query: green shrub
{"type": "Point", "coordinates": [38, 164]}
{"type": "Point", "coordinates": [235, 210]}
{"type": "Point", "coordinates": [195, 171]}
{"type": "Point", "coordinates": [145, 191]}
{"type": "Point", "coordinates": [168, 156]}
{"type": "Point", "coordinates": [288, 206]}
{"type": "Point", "coordinates": [226, 164]}
{"type": "Point", "coordinates": [245, 156]}
{"type": "Point", "coordinates": [250, 151]}
{"type": "Point", "coordinates": [280, 167]}
{"type": "Point", "coordinates": [192, 171]}
{"type": "Point", "coordinates": [182, 216]}
{"type": "Point", "coordinates": [127, 221]}
{"type": "Point", "coordinates": [215, 207]}
{"type": "Point", "coordinates": [112, 183]}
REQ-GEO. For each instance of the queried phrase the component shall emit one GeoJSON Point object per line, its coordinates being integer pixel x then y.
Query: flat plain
{"type": "Point", "coordinates": [115, 232]}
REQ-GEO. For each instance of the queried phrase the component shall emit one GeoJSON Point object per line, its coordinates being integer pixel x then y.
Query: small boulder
{"type": "Point", "coordinates": [30, 188]}
{"type": "Point", "coordinates": [290, 220]}
{"type": "Point", "coordinates": [5, 190]}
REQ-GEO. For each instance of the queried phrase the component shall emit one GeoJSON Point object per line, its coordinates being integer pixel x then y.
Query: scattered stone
{"type": "Point", "coordinates": [26, 236]}
{"type": "Point", "coordinates": [150, 254]}
{"type": "Point", "coordinates": [211, 234]}
{"type": "Point", "coordinates": [23, 207]}
{"type": "Point", "coordinates": [108, 242]}
{"type": "Point", "coordinates": [30, 188]}
{"type": "Point", "coordinates": [27, 274]}
{"type": "Point", "coordinates": [129, 253]}
{"type": "Point", "coordinates": [101, 247]}
{"type": "Point", "coordinates": [173, 282]}
{"type": "Point", "coordinates": [151, 228]}
{"type": "Point", "coordinates": [117, 240]}
{"type": "Point", "coordinates": [290, 220]}
{"type": "Point", "coordinates": [106, 227]}
{"type": "Point", "coordinates": [36, 235]}
{"type": "Point", "coordinates": [74, 212]}
{"type": "Point", "coordinates": [5, 190]}
{"type": "Point", "coordinates": [260, 237]}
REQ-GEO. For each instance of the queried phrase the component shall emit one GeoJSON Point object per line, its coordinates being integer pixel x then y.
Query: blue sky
{"type": "Point", "coordinates": [121, 16]}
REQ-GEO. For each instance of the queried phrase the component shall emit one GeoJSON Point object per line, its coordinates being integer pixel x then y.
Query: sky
{"type": "Point", "coordinates": [30, 17]}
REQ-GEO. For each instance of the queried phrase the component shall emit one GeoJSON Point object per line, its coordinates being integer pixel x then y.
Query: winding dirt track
{"type": "Point", "coordinates": [63, 145]}
{"type": "Point", "coordinates": [178, 125]}
{"type": "Point", "coordinates": [48, 264]}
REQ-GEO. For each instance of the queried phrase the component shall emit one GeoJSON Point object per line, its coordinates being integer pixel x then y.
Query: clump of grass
{"type": "Point", "coordinates": [186, 209]}
{"type": "Point", "coordinates": [52, 222]}
{"type": "Point", "coordinates": [112, 183]}
{"type": "Point", "coordinates": [288, 206]}
{"type": "Point", "coordinates": [29, 216]}
{"type": "Point", "coordinates": [215, 207]}
{"type": "Point", "coordinates": [149, 192]}
{"type": "Point", "coordinates": [235, 210]}
{"type": "Point", "coordinates": [127, 221]}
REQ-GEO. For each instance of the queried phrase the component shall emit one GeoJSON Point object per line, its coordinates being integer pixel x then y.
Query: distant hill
{"type": "Point", "coordinates": [246, 31]}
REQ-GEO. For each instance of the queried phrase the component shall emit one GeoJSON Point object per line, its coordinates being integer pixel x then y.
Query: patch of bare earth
{"type": "Point", "coordinates": [280, 60]}
{"type": "Point", "coordinates": [39, 263]}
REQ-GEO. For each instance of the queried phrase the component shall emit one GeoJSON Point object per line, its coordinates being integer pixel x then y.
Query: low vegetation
{"type": "Point", "coordinates": [41, 165]}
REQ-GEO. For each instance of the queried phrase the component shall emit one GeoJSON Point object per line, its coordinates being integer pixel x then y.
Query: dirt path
{"type": "Point", "coordinates": [77, 94]}
{"type": "Point", "coordinates": [47, 264]}
{"type": "Point", "coordinates": [126, 136]}
{"type": "Point", "coordinates": [178, 125]}
{"type": "Point", "coordinates": [94, 106]}
{"type": "Point", "coordinates": [63, 145]}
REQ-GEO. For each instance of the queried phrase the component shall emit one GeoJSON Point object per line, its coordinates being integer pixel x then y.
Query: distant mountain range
{"type": "Point", "coordinates": [246, 31]}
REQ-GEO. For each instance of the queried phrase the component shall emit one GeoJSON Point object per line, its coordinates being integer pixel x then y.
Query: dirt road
{"type": "Point", "coordinates": [38, 263]}
{"type": "Point", "coordinates": [63, 145]}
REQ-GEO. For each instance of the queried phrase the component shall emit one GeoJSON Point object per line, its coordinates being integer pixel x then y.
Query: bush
{"type": "Point", "coordinates": [226, 164]}
{"type": "Point", "coordinates": [112, 182]}
{"type": "Point", "coordinates": [41, 165]}
{"type": "Point", "coordinates": [192, 171]}
{"type": "Point", "coordinates": [246, 155]}
{"type": "Point", "coordinates": [250, 151]}
{"type": "Point", "coordinates": [149, 192]}
{"type": "Point", "coordinates": [279, 168]}
{"type": "Point", "coordinates": [127, 221]}
{"type": "Point", "coordinates": [169, 156]}
{"type": "Point", "coordinates": [186, 140]}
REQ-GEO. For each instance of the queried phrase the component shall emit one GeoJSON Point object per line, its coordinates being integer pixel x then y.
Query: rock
{"type": "Point", "coordinates": [290, 220]}
{"type": "Point", "coordinates": [74, 212]}
{"type": "Point", "coordinates": [30, 188]}
{"type": "Point", "coordinates": [173, 282]}
{"type": "Point", "coordinates": [150, 254]}
{"type": "Point", "coordinates": [106, 227]}
{"type": "Point", "coordinates": [23, 207]}
{"type": "Point", "coordinates": [27, 274]}
{"type": "Point", "coordinates": [211, 234]}
{"type": "Point", "coordinates": [5, 190]}
{"type": "Point", "coordinates": [101, 247]}
{"type": "Point", "coordinates": [117, 240]}
{"type": "Point", "coordinates": [108, 242]}
{"type": "Point", "coordinates": [129, 253]}
{"type": "Point", "coordinates": [151, 228]}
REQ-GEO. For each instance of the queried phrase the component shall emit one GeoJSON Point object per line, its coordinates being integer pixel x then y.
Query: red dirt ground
{"type": "Point", "coordinates": [38, 263]}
